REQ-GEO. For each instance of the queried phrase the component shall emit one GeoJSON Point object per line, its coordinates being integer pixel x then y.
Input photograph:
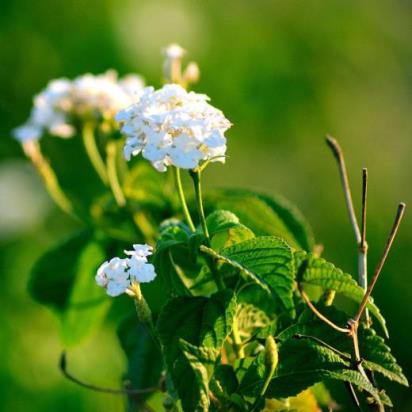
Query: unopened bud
{"type": "Point", "coordinates": [271, 354]}
{"type": "Point", "coordinates": [192, 73]}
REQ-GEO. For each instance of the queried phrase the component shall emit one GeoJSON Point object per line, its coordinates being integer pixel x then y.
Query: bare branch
{"type": "Point", "coordinates": [68, 375]}
{"type": "Point", "coordinates": [319, 315]}
{"type": "Point", "coordinates": [392, 235]}
{"type": "Point", "coordinates": [337, 152]}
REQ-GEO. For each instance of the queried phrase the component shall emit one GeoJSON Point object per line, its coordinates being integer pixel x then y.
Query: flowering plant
{"type": "Point", "coordinates": [234, 309]}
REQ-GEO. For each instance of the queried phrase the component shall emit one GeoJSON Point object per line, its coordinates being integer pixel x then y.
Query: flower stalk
{"type": "Point", "coordinates": [90, 145]}
{"type": "Point", "coordinates": [182, 198]}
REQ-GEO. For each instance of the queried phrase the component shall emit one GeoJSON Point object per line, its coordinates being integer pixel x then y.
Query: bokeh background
{"type": "Point", "coordinates": [285, 73]}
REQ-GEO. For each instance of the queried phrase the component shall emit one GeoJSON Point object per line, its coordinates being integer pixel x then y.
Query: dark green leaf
{"type": "Point", "coordinates": [376, 354]}
{"type": "Point", "coordinates": [267, 260]}
{"type": "Point", "coordinates": [53, 274]}
{"type": "Point", "coordinates": [144, 359]}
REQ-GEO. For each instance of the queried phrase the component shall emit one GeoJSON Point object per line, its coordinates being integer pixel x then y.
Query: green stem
{"type": "Point", "coordinates": [196, 176]}
{"type": "Point", "coordinates": [92, 151]}
{"type": "Point", "coordinates": [32, 150]}
{"type": "Point", "coordinates": [182, 198]}
{"type": "Point", "coordinates": [112, 175]}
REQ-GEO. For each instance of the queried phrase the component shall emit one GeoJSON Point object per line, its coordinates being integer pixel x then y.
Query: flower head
{"type": "Point", "coordinates": [171, 126]}
{"type": "Point", "coordinates": [117, 275]}
{"type": "Point", "coordinates": [65, 103]}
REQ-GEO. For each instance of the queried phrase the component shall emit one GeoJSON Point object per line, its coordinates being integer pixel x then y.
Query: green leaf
{"type": "Point", "coordinates": [52, 276]}
{"type": "Point", "coordinates": [201, 361]}
{"type": "Point", "coordinates": [199, 321]}
{"type": "Point", "coordinates": [302, 363]}
{"type": "Point", "coordinates": [321, 273]}
{"type": "Point", "coordinates": [88, 303]}
{"type": "Point", "coordinates": [144, 359]}
{"type": "Point", "coordinates": [220, 220]}
{"type": "Point", "coordinates": [375, 353]}
{"type": "Point", "coordinates": [267, 260]}
{"type": "Point", "coordinates": [264, 215]}
{"type": "Point", "coordinates": [146, 186]}
{"type": "Point", "coordinates": [63, 279]}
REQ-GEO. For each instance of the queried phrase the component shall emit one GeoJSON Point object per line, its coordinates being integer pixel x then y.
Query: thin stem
{"type": "Point", "coordinates": [392, 235]}
{"type": "Point", "coordinates": [112, 175]}
{"type": "Point", "coordinates": [196, 176]}
{"type": "Point", "coordinates": [344, 356]}
{"type": "Point", "coordinates": [337, 152]}
{"type": "Point", "coordinates": [319, 315]}
{"type": "Point", "coordinates": [363, 246]}
{"type": "Point", "coordinates": [182, 198]}
{"type": "Point", "coordinates": [68, 375]}
{"type": "Point", "coordinates": [211, 262]}
{"type": "Point", "coordinates": [93, 152]}
{"type": "Point", "coordinates": [33, 152]}
{"type": "Point", "coordinates": [353, 395]}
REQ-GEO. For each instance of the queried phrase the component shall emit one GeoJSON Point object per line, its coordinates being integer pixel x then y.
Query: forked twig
{"type": "Point", "coordinates": [322, 317]}
{"type": "Point", "coordinates": [392, 235]}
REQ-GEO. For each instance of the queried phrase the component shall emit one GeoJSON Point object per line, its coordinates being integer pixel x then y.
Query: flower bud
{"type": "Point", "coordinates": [271, 354]}
{"type": "Point", "coordinates": [191, 74]}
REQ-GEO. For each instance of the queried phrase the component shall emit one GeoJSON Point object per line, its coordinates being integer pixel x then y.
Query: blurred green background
{"type": "Point", "coordinates": [285, 73]}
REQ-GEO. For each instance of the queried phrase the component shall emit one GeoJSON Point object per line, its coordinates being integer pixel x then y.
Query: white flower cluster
{"type": "Point", "coordinates": [64, 103]}
{"type": "Point", "coordinates": [117, 275]}
{"type": "Point", "coordinates": [171, 126]}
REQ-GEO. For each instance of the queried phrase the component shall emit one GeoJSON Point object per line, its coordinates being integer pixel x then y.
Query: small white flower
{"type": "Point", "coordinates": [117, 275]}
{"type": "Point", "coordinates": [174, 51]}
{"type": "Point", "coordinates": [171, 126]}
{"type": "Point", "coordinates": [140, 251]}
{"type": "Point", "coordinates": [65, 103]}
{"type": "Point", "coordinates": [113, 276]}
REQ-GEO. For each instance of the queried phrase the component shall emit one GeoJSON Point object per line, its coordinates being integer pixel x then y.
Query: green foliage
{"type": "Point", "coordinates": [264, 215]}
{"type": "Point", "coordinates": [63, 279]}
{"type": "Point", "coordinates": [319, 272]}
{"type": "Point", "coordinates": [144, 358]}
{"type": "Point", "coordinates": [265, 260]}
{"type": "Point", "coordinates": [191, 328]}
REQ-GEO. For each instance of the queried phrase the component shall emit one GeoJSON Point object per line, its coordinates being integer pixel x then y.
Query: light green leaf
{"type": "Point", "coordinates": [321, 273]}
{"type": "Point", "coordinates": [88, 303]}
{"type": "Point", "coordinates": [264, 215]}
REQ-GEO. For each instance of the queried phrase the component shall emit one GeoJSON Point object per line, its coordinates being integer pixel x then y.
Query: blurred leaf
{"type": "Point", "coordinates": [264, 215]}
{"type": "Point", "coordinates": [88, 303]}
{"type": "Point", "coordinates": [144, 359]}
{"type": "Point", "coordinates": [63, 278]}
{"type": "Point", "coordinates": [147, 187]}
{"type": "Point", "coordinates": [321, 273]}
{"type": "Point", "coordinates": [266, 260]}
{"type": "Point", "coordinates": [304, 402]}
{"type": "Point", "coordinates": [52, 276]}
{"type": "Point", "coordinates": [74, 172]}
